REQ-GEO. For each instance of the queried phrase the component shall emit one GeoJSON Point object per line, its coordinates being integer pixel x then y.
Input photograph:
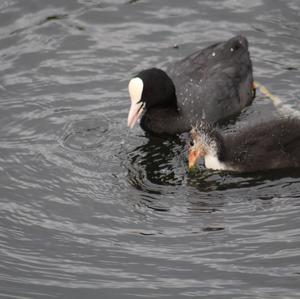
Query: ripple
{"type": "Point", "coordinates": [85, 135]}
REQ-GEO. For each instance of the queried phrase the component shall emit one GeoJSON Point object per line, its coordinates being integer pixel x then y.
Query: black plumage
{"type": "Point", "coordinates": [213, 84]}
{"type": "Point", "coordinates": [270, 145]}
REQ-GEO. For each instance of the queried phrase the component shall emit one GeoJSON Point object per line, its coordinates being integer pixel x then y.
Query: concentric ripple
{"type": "Point", "coordinates": [88, 134]}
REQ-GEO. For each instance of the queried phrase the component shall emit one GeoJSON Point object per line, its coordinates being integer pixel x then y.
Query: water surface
{"type": "Point", "coordinates": [89, 209]}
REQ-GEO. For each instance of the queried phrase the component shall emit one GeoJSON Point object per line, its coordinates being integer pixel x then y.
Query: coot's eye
{"type": "Point", "coordinates": [235, 47]}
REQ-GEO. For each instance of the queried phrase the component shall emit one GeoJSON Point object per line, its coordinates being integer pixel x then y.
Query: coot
{"type": "Point", "coordinates": [213, 84]}
{"type": "Point", "coordinates": [271, 145]}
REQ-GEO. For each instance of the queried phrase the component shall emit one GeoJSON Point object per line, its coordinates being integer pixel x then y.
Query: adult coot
{"type": "Point", "coordinates": [213, 84]}
{"type": "Point", "coordinates": [270, 145]}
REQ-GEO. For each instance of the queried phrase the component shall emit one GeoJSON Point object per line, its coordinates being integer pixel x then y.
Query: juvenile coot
{"type": "Point", "coordinates": [270, 145]}
{"type": "Point", "coordinates": [213, 84]}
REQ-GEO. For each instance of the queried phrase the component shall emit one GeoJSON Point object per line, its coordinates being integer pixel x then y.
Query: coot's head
{"type": "Point", "coordinates": [151, 88]}
{"type": "Point", "coordinates": [205, 140]}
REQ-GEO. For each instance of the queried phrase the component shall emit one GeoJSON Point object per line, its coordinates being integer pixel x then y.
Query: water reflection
{"type": "Point", "coordinates": [153, 169]}
{"type": "Point", "coordinates": [155, 160]}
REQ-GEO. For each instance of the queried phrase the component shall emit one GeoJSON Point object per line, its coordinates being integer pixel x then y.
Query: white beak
{"type": "Point", "coordinates": [135, 111]}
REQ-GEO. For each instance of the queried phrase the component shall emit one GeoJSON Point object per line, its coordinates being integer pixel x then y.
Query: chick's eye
{"type": "Point", "coordinates": [192, 143]}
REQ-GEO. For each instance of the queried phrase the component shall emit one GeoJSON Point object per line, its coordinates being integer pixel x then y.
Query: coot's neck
{"type": "Point", "coordinates": [166, 120]}
{"type": "Point", "coordinates": [215, 143]}
{"type": "Point", "coordinates": [216, 157]}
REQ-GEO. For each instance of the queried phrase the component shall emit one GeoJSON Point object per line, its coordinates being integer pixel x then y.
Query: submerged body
{"type": "Point", "coordinates": [213, 84]}
{"type": "Point", "coordinates": [271, 145]}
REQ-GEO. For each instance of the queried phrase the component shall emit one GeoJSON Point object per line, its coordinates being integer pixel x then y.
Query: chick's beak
{"type": "Point", "coordinates": [135, 111]}
{"type": "Point", "coordinates": [193, 156]}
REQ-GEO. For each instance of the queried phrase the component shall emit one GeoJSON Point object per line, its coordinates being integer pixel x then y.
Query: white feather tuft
{"type": "Point", "coordinates": [135, 88]}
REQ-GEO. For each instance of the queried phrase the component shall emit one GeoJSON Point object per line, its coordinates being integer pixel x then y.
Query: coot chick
{"type": "Point", "coordinates": [270, 145]}
{"type": "Point", "coordinates": [213, 84]}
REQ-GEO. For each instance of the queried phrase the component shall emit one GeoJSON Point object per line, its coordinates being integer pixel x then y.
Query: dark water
{"type": "Point", "coordinates": [89, 209]}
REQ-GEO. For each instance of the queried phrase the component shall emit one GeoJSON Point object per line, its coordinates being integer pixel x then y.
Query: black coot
{"type": "Point", "coordinates": [271, 145]}
{"type": "Point", "coordinates": [213, 84]}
